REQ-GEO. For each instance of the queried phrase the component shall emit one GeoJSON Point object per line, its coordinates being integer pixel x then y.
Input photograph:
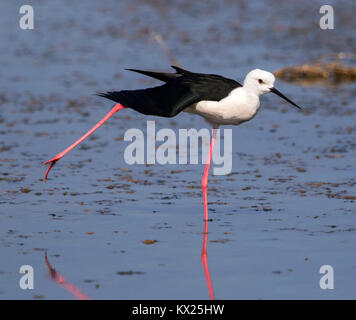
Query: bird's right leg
{"type": "Point", "coordinates": [204, 185]}
{"type": "Point", "coordinates": [53, 161]}
{"type": "Point", "coordinates": [204, 182]}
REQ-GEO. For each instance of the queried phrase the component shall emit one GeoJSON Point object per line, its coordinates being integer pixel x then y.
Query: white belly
{"type": "Point", "coordinates": [232, 110]}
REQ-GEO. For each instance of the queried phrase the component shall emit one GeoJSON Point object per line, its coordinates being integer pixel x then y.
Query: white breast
{"type": "Point", "coordinates": [239, 106]}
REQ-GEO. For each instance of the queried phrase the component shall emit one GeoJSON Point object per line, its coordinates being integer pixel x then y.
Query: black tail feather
{"type": "Point", "coordinates": [109, 95]}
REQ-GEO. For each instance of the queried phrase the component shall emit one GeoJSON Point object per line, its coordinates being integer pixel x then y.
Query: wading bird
{"type": "Point", "coordinates": [217, 99]}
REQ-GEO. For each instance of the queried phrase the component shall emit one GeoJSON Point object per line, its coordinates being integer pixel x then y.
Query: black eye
{"type": "Point", "coordinates": [260, 81]}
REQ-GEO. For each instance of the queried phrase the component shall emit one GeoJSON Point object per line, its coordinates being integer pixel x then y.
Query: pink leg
{"type": "Point", "coordinates": [64, 283]}
{"type": "Point", "coordinates": [204, 185]}
{"type": "Point", "coordinates": [204, 260]}
{"type": "Point", "coordinates": [204, 182]}
{"type": "Point", "coordinates": [53, 161]}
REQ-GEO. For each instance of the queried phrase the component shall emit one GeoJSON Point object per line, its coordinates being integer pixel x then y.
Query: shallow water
{"type": "Point", "coordinates": [287, 208]}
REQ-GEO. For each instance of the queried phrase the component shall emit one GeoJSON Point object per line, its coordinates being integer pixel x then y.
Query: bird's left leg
{"type": "Point", "coordinates": [204, 182]}
{"type": "Point", "coordinates": [53, 161]}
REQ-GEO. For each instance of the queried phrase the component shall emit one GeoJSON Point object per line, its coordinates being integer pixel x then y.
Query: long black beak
{"type": "Point", "coordinates": [274, 90]}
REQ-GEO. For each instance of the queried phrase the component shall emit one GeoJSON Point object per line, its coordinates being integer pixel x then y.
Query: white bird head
{"type": "Point", "coordinates": [261, 81]}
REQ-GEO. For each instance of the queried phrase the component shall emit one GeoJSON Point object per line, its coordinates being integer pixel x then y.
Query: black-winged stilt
{"type": "Point", "coordinates": [217, 99]}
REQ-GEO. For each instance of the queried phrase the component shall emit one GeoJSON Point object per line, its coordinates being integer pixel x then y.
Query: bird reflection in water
{"type": "Point", "coordinates": [204, 260]}
{"type": "Point", "coordinates": [76, 292]}
{"type": "Point", "coordinates": [58, 278]}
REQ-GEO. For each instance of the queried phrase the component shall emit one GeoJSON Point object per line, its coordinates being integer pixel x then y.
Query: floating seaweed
{"type": "Point", "coordinates": [333, 72]}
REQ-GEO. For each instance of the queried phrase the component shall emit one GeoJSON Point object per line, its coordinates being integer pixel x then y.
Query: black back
{"type": "Point", "coordinates": [181, 90]}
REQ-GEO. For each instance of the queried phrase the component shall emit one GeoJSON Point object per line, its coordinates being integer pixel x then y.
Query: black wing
{"type": "Point", "coordinates": [164, 101]}
{"type": "Point", "coordinates": [163, 76]}
{"type": "Point", "coordinates": [181, 90]}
